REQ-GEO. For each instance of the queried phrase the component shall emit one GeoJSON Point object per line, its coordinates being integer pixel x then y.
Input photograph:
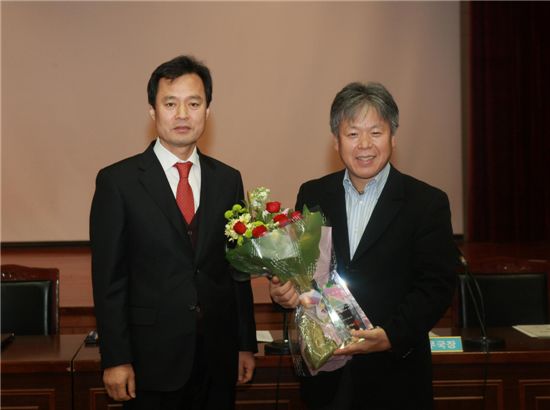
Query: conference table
{"type": "Point", "coordinates": [37, 372]}
{"type": "Point", "coordinates": [61, 372]}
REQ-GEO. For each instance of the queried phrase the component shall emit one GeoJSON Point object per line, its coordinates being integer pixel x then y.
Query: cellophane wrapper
{"type": "Point", "coordinates": [302, 253]}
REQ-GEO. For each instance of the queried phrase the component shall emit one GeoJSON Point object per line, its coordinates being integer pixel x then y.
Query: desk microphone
{"type": "Point", "coordinates": [483, 341]}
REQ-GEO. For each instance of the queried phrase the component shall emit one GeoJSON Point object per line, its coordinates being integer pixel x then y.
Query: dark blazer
{"type": "Point", "coordinates": [148, 278]}
{"type": "Point", "coordinates": [402, 275]}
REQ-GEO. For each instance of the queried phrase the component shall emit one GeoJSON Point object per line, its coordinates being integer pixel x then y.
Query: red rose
{"type": "Point", "coordinates": [296, 215]}
{"type": "Point", "coordinates": [259, 231]}
{"type": "Point", "coordinates": [273, 207]}
{"type": "Point", "coordinates": [239, 227]}
{"type": "Point", "coordinates": [282, 219]}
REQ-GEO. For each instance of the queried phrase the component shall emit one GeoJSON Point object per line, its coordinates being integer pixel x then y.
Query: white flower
{"type": "Point", "coordinates": [258, 197]}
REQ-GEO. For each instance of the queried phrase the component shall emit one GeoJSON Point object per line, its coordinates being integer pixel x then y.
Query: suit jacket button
{"type": "Point", "coordinates": [193, 307]}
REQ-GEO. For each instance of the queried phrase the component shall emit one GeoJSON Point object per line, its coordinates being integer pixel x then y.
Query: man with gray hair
{"type": "Point", "coordinates": [394, 246]}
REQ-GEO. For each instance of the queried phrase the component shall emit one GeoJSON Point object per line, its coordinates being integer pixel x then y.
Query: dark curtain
{"type": "Point", "coordinates": [508, 154]}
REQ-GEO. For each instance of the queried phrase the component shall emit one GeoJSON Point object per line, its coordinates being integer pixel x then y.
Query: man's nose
{"type": "Point", "coordinates": [365, 141]}
{"type": "Point", "coordinates": [181, 112]}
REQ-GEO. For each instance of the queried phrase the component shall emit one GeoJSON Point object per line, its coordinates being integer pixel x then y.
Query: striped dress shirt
{"type": "Point", "coordinates": [359, 206]}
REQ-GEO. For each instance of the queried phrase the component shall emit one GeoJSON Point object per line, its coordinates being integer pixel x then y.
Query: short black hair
{"type": "Point", "coordinates": [175, 68]}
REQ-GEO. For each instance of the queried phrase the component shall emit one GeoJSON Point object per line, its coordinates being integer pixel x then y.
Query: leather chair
{"type": "Point", "coordinates": [30, 300]}
{"type": "Point", "coordinates": [509, 299]}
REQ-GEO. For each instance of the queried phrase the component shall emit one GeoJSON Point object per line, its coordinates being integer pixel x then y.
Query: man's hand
{"type": "Point", "coordinates": [285, 295]}
{"type": "Point", "coordinates": [247, 363]}
{"type": "Point", "coordinates": [120, 382]}
{"type": "Point", "coordinates": [376, 340]}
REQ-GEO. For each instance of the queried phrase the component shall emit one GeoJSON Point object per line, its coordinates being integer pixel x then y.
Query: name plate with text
{"type": "Point", "coordinates": [446, 344]}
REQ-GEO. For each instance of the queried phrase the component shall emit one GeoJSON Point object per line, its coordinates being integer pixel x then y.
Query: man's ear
{"type": "Point", "coordinates": [152, 112]}
{"type": "Point", "coordinates": [335, 142]}
{"type": "Point", "coordinates": [207, 112]}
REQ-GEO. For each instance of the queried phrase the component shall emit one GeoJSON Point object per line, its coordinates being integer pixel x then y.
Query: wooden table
{"type": "Point", "coordinates": [37, 372]}
{"type": "Point", "coordinates": [518, 377]}
{"type": "Point", "coordinates": [40, 372]}
{"type": "Point", "coordinates": [514, 377]}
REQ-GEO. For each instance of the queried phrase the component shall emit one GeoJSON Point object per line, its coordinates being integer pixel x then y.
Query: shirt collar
{"type": "Point", "coordinates": [167, 159]}
{"type": "Point", "coordinates": [378, 181]}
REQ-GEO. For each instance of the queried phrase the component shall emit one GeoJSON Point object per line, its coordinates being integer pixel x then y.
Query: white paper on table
{"type": "Point", "coordinates": [264, 336]}
{"type": "Point", "coordinates": [542, 331]}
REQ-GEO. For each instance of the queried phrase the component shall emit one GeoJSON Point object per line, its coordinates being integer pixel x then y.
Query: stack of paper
{"type": "Point", "coordinates": [542, 331]}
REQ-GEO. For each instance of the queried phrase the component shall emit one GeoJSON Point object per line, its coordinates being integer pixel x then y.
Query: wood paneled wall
{"type": "Point", "coordinates": [75, 295]}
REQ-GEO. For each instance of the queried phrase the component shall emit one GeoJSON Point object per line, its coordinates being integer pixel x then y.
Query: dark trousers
{"type": "Point", "coordinates": [343, 394]}
{"type": "Point", "coordinates": [365, 383]}
{"type": "Point", "coordinates": [200, 392]}
{"type": "Point", "coordinates": [205, 397]}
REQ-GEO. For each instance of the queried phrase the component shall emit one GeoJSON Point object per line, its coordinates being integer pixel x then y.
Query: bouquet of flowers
{"type": "Point", "coordinates": [265, 239]}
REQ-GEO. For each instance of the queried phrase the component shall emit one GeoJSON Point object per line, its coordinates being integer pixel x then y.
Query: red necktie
{"type": "Point", "coordinates": [184, 194]}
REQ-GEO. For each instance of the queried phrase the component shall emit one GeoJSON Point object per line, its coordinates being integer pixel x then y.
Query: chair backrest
{"type": "Point", "coordinates": [30, 300]}
{"type": "Point", "coordinates": [509, 299]}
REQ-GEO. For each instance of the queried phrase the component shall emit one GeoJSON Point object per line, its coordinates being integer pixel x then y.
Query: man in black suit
{"type": "Point", "coordinates": [175, 330]}
{"type": "Point", "coordinates": [393, 241]}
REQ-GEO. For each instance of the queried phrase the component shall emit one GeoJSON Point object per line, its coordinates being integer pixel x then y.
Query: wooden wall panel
{"type": "Point", "coordinates": [74, 264]}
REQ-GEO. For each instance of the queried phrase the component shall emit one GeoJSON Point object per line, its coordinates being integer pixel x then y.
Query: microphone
{"type": "Point", "coordinates": [479, 309]}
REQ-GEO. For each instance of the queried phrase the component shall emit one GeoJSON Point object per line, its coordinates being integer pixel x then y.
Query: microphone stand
{"type": "Point", "coordinates": [484, 342]}
{"type": "Point", "coordinates": [279, 347]}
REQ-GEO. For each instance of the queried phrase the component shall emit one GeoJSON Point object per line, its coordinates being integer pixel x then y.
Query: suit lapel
{"type": "Point", "coordinates": [390, 202]}
{"type": "Point", "coordinates": [154, 180]}
{"type": "Point", "coordinates": [207, 205]}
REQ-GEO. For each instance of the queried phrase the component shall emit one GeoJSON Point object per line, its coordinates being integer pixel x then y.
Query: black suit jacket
{"type": "Point", "coordinates": [403, 276]}
{"type": "Point", "coordinates": [148, 278]}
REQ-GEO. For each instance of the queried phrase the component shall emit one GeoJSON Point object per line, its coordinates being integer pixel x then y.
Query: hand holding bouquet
{"type": "Point", "coordinates": [268, 240]}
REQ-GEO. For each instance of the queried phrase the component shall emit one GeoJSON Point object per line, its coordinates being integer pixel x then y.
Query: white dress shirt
{"type": "Point", "coordinates": [168, 160]}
